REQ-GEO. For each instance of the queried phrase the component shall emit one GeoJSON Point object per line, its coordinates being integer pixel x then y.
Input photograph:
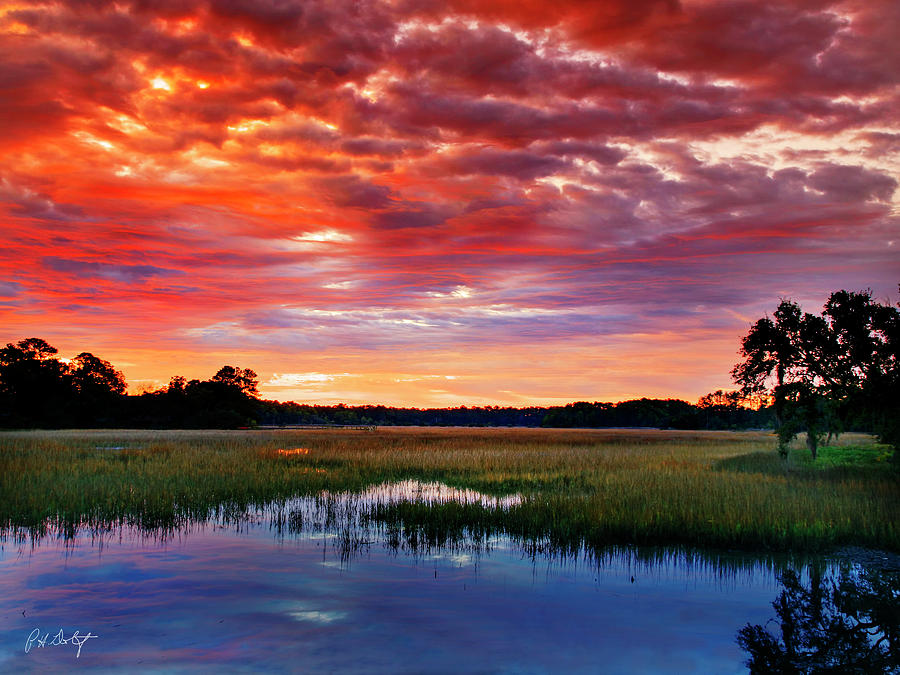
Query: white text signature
{"type": "Point", "coordinates": [35, 639]}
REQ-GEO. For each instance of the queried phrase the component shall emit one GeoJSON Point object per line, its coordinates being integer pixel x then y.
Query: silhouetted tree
{"type": "Point", "coordinates": [35, 387]}
{"type": "Point", "coordinates": [177, 384]}
{"type": "Point", "coordinates": [767, 349]}
{"type": "Point", "coordinates": [869, 365]}
{"type": "Point", "coordinates": [97, 390]}
{"type": "Point", "coordinates": [243, 379]}
{"type": "Point", "coordinates": [820, 370]}
{"type": "Point", "coordinates": [35, 349]}
{"type": "Point", "coordinates": [732, 410]}
{"type": "Point", "coordinates": [96, 377]}
{"type": "Point", "coordinates": [226, 400]}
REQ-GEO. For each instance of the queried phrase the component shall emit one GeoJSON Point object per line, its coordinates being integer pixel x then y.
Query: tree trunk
{"type": "Point", "coordinates": [779, 413]}
{"type": "Point", "coordinates": [779, 397]}
{"type": "Point", "coordinates": [812, 442]}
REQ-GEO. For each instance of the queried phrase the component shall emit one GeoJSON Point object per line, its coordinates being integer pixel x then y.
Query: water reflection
{"type": "Point", "coordinates": [401, 577]}
{"type": "Point", "coordinates": [847, 621]}
{"type": "Point", "coordinates": [433, 493]}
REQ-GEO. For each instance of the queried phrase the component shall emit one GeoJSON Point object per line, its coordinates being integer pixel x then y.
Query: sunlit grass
{"type": "Point", "coordinates": [579, 487]}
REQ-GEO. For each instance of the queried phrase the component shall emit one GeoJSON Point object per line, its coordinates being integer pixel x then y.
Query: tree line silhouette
{"type": "Point", "coordinates": [829, 373]}
{"type": "Point", "coordinates": [40, 390]}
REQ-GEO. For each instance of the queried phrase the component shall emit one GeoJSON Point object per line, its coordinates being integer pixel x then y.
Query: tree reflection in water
{"type": "Point", "coordinates": [845, 623]}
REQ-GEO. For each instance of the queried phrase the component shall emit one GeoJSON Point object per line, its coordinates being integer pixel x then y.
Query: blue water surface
{"type": "Point", "coordinates": [217, 597]}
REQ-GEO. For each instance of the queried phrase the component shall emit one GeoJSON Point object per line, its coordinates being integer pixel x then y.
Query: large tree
{"type": "Point", "coordinates": [822, 370]}
{"type": "Point", "coordinates": [35, 387]}
{"type": "Point", "coordinates": [97, 390]}
{"type": "Point", "coordinates": [38, 389]}
{"type": "Point", "coordinates": [242, 379]}
{"type": "Point", "coordinates": [94, 376]}
{"type": "Point", "coordinates": [868, 339]}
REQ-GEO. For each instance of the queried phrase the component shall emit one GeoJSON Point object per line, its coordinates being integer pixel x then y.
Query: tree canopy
{"type": "Point", "coordinates": [825, 370]}
{"type": "Point", "coordinates": [39, 389]}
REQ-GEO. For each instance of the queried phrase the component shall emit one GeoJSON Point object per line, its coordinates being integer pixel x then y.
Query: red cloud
{"type": "Point", "coordinates": [225, 172]}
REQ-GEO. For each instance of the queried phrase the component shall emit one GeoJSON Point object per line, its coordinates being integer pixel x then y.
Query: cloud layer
{"type": "Point", "coordinates": [543, 201]}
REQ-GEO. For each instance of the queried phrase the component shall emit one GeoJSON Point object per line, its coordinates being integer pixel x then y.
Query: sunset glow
{"type": "Point", "coordinates": [441, 203]}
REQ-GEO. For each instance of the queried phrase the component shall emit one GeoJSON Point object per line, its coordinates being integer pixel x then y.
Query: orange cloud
{"type": "Point", "coordinates": [618, 187]}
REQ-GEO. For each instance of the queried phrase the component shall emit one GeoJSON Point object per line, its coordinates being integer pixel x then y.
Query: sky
{"type": "Point", "coordinates": [441, 203]}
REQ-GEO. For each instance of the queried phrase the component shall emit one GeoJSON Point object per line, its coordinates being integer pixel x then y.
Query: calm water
{"type": "Point", "coordinates": [307, 586]}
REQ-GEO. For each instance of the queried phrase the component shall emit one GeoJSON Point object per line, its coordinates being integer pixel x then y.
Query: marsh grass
{"type": "Point", "coordinates": [591, 488]}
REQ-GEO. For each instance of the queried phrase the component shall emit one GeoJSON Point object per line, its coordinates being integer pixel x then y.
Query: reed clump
{"type": "Point", "coordinates": [578, 487]}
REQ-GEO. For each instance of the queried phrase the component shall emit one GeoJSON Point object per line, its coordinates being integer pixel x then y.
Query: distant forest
{"type": "Point", "coordinates": [40, 390]}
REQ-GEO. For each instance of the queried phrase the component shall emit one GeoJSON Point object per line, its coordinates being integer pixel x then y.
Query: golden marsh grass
{"type": "Point", "coordinates": [579, 487]}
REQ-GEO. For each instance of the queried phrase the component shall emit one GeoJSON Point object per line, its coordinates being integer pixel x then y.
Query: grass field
{"type": "Point", "coordinates": [579, 487]}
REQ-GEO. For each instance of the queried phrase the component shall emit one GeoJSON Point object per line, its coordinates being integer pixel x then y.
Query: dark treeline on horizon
{"type": "Point", "coordinates": [40, 390]}
{"type": "Point", "coordinates": [668, 414]}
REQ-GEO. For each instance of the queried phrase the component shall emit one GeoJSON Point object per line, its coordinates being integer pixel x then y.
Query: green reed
{"type": "Point", "coordinates": [579, 487]}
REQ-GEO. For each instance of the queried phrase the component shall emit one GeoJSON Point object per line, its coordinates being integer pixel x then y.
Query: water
{"type": "Point", "coordinates": [312, 585]}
